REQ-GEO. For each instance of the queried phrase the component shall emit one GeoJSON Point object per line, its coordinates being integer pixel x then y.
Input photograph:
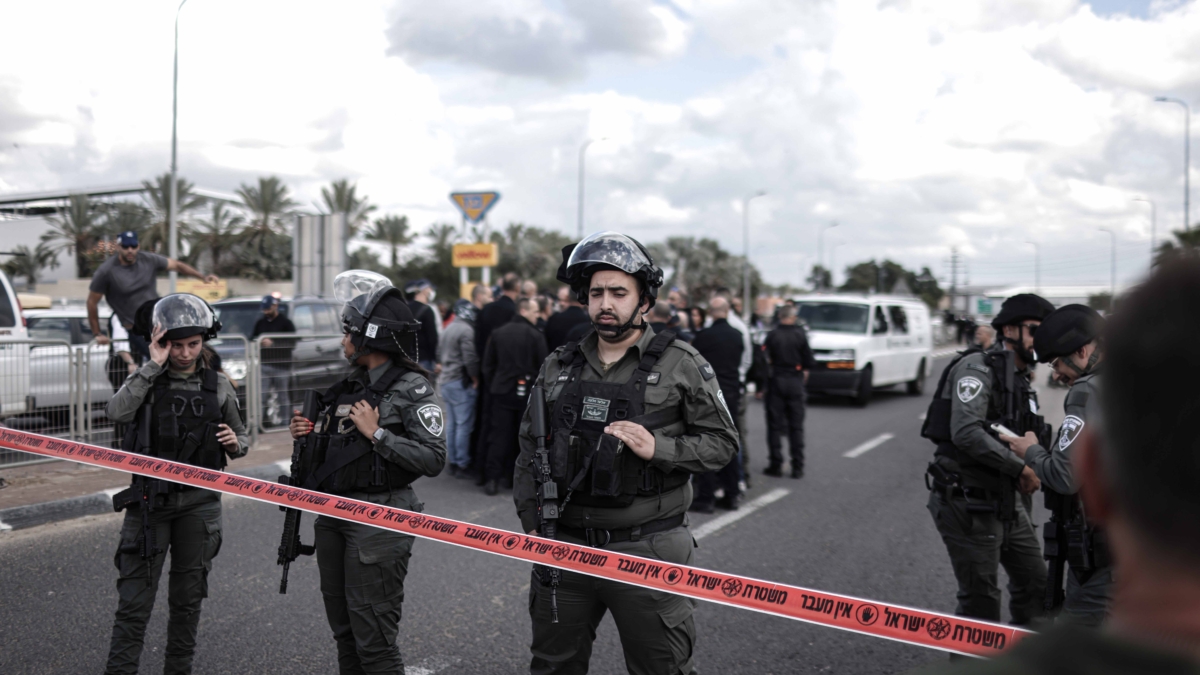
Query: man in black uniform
{"type": "Point", "coordinates": [514, 354]}
{"type": "Point", "coordinates": [420, 294]}
{"type": "Point", "coordinates": [378, 431]}
{"type": "Point", "coordinates": [632, 415]}
{"type": "Point", "coordinates": [721, 344]}
{"type": "Point", "coordinates": [276, 361]}
{"type": "Point", "coordinates": [559, 326]}
{"type": "Point", "coordinates": [493, 315]}
{"type": "Point", "coordinates": [789, 359]}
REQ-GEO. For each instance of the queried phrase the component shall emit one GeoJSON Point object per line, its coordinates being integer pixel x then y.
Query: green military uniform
{"type": "Point", "coordinates": [975, 513]}
{"type": "Point", "coordinates": [188, 524]}
{"type": "Point", "coordinates": [657, 630]}
{"type": "Point", "coordinates": [1087, 601]}
{"type": "Point", "coordinates": [363, 567]}
{"type": "Point", "coordinates": [1072, 650]}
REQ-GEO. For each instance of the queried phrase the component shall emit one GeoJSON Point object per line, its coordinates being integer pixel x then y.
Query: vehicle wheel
{"type": "Point", "coordinates": [865, 389]}
{"type": "Point", "coordinates": [917, 386]}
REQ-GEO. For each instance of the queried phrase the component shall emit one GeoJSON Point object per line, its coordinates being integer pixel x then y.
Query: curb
{"type": "Point", "coordinates": [33, 515]}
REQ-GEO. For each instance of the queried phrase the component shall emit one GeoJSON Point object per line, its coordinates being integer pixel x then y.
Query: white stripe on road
{"type": "Point", "coordinates": [946, 352]}
{"type": "Point", "coordinates": [921, 417]}
{"type": "Point", "coordinates": [734, 516]}
{"type": "Point", "coordinates": [430, 666]}
{"type": "Point", "coordinates": [869, 445]}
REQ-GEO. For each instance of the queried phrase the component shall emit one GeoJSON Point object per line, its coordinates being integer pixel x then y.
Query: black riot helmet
{"type": "Point", "coordinates": [1065, 330]}
{"type": "Point", "coordinates": [183, 315]}
{"type": "Point", "coordinates": [463, 309]}
{"type": "Point", "coordinates": [609, 251]}
{"type": "Point", "coordinates": [1018, 308]}
{"type": "Point", "coordinates": [376, 315]}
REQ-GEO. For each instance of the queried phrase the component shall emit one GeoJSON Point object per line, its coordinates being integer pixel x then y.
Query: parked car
{"type": "Point", "coordinates": [317, 362]}
{"type": "Point", "coordinates": [864, 342]}
{"type": "Point", "coordinates": [14, 356]}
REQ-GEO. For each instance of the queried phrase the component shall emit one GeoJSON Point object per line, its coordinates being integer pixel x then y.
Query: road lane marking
{"type": "Point", "coordinates": [869, 445]}
{"type": "Point", "coordinates": [733, 516]}
{"type": "Point", "coordinates": [430, 666]}
{"type": "Point", "coordinates": [922, 416]}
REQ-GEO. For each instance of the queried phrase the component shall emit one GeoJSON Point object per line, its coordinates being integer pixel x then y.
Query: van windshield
{"type": "Point", "coordinates": [835, 317]}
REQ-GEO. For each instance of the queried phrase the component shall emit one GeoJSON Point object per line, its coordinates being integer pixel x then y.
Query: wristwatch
{"type": "Point", "coordinates": [378, 435]}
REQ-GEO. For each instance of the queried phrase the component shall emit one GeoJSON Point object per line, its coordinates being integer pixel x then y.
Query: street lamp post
{"type": "Point", "coordinates": [746, 253]}
{"type": "Point", "coordinates": [172, 197]}
{"type": "Point", "coordinates": [1153, 226]}
{"type": "Point", "coordinates": [821, 246]}
{"type": "Point", "coordinates": [1187, 160]}
{"type": "Point", "coordinates": [1112, 267]}
{"type": "Point", "coordinates": [833, 259]}
{"type": "Point", "coordinates": [1037, 266]}
{"type": "Point", "coordinates": [582, 154]}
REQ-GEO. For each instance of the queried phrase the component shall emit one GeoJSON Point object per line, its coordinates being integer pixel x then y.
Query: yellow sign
{"type": "Point", "coordinates": [475, 205]}
{"type": "Point", "coordinates": [464, 290]}
{"type": "Point", "coordinates": [476, 255]}
{"type": "Point", "coordinates": [209, 292]}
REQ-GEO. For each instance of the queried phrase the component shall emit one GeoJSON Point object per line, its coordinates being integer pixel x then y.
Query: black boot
{"type": "Point", "coordinates": [797, 472]}
{"type": "Point", "coordinates": [491, 488]}
{"type": "Point", "coordinates": [701, 507]}
{"type": "Point", "coordinates": [774, 470]}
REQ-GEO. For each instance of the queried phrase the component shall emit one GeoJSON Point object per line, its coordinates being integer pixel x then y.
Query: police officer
{"type": "Point", "coordinates": [181, 409]}
{"type": "Point", "coordinates": [974, 477]}
{"type": "Point", "coordinates": [1069, 340]}
{"type": "Point", "coordinates": [632, 416]}
{"type": "Point", "coordinates": [379, 430]}
{"type": "Point", "coordinates": [790, 360]}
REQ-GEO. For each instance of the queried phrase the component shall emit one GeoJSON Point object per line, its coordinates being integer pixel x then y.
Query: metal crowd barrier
{"type": "Point", "coordinates": [278, 375]}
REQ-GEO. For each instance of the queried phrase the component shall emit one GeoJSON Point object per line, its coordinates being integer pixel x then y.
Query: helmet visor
{"type": "Point", "coordinates": [609, 248]}
{"type": "Point", "coordinates": [182, 310]}
{"type": "Point", "coordinates": [353, 283]}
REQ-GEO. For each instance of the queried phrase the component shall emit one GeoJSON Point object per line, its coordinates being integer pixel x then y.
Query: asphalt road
{"type": "Point", "coordinates": [857, 526]}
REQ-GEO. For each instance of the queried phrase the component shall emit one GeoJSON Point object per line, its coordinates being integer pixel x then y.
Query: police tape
{"type": "Point", "coordinates": [893, 622]}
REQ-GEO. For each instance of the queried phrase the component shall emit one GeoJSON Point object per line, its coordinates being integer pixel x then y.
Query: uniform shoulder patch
{"type": "Point", "coordinates": [1070, 430]}
{"type": "Point", "coordinates": [980, 367]}
{"type": "Point", "coordinates": [968, 388]}
{"type": "Point", "coordinates": [706, 370]}
{"type": "Point", "coordinates": [431, 418]}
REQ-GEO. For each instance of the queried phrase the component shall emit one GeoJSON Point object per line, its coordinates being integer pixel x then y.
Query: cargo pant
{"type": "Point", "coordinates": [978, 543]}
{"type": "Point", "coordinates": [362, 582]}
{"type": "Point", "coordinates": [188, 528]}
{"type": "Point", "coordinates": [1087, 603]}
{"type": "Point", "coordinates": [658, 634]}
{"type": "Point", "coordinates": [785, 415]}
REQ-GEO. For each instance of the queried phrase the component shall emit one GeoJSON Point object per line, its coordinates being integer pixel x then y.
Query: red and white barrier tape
{"type": "Point", "coordinates": [869, 617]}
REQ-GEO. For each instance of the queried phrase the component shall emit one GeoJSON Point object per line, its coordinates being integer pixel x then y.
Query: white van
{"type": "Point", "coordinates": [14, 357]}
{"type": "Point", "coordinates": [866, 341]}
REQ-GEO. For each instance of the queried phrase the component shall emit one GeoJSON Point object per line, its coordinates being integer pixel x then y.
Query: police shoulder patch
{"type": "Point", "coordinates": [706, 371]}
{"type": "Point", "coordinates": [431, 418]}
{"type": "Point", "coordinates": [968, 388]}
{"type": "Point", "coordinates": [1070, 430]}
{"type": "Point", "coordinates": [980, 367]}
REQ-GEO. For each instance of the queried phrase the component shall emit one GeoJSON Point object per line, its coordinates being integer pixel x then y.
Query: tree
{"type": "Point", "coordinates": [75, 228]}
{"type": "Point", "coordinates": [700, 266]}
{"type": "Point", "coordinates": [436, 264]}
{"type": "Point", "coordinates": [215, 235]}
{"type": "Point", "coordinates": [267, 202]}
{"type": "Point", "coordinates": [1101, 302]}
{"type": "Point", "coordinates": [157, 236]}
{"type": "Point", "coordinates": [125, 217]}
{"type": "Point", "coordinates": [820, 278]}
{"type": "Point", "coordinates": [1186, 245]}
{"type": "Point", "coordinates": [883, 277]}
{"type": "Point", "coordinates": [27, 263]}
{"type": "Point", "coordinates": [393, 231]}
{"type": "Point", "coordinates": [532, 252]}
{"type": "Point", "coordinates": [341, 197]}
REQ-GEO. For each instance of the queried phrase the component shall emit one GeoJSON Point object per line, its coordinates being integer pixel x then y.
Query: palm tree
{"type": "Point", "coordinates": [124, 217]}
{"type": "Point", "coordinates": [28, 264]}
{"type": "Point", "coordinates": [1186, 245]}
{"type": "Point", "coordinates": [74, 229]}
{"type": "Point", "coordinates": [341, 197]}
{"type": "Point", "coordinates": [216, 234]}
{"type": "Point", "coordinates": [157, 237]}
{"type": "Point", "coordinates": [393, 231]}
{"type": "Point", "coordinates": [267, 202]}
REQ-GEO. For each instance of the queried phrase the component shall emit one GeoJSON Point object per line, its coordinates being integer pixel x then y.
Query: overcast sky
{"type": "Point", "coordinates": [917, 125]}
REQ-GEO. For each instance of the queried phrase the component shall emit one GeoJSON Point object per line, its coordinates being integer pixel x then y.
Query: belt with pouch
{"type": "Point", "coordinates": [599, 538]}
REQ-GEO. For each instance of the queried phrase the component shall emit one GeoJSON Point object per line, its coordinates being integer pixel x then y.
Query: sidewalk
{"type": "Point", "coordinates": [61, 490]}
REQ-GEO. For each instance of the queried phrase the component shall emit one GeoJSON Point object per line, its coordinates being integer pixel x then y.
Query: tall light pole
{"type": "Point", "coordinates": [1187, 154]}
{"type": "Point", "coordinates": [582, 154]}
{"type": "Point", "coordinates": [833, 259]}
{"type": "Point", "coordinates": [821, 246]}
{"type": "Point", "coordinates": [746, 253]}
{"type": "Point", "coordinates": [172, 229]}
{"type": "Point", "coordinates": [1153, 226]}
{"type": "Point", "coordinates": [1037, 266]}
{"type": "Point", "coordinates": [1112, 267]}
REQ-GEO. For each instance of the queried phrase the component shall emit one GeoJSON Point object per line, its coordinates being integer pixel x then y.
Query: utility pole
{"type": "Point", "coordinates": [1187, 152]}
{"type": "Point", "coordinates": [172, 228]}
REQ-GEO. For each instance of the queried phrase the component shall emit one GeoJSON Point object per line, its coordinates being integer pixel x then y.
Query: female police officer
{"type": "Point", "coordinates": [378, 431]}
{"type": "Point", "coordinates": [181, 410]}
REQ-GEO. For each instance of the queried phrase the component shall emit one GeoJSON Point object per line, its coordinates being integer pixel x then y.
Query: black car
{"type": "Point", "coordinates": [317, 362]}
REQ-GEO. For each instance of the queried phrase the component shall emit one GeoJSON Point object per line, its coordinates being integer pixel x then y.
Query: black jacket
{"type": "Point", "coordinates": [492, 316]}
{"type": "Point", "coordinates": [427, 334]}
{"type": "Point", "coordinates": [788, 351]}
{"type": "Point", "coordinates": [721, 345]}
{"type": "Point", "coordinates": [514, 352]}
{"type": "Point", "coordinates": [280, 353]}
{"type": "Point", "coordinates": [559, 326]}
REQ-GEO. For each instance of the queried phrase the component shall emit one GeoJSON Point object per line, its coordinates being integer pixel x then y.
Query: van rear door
{"type": "Point", "coordinates": [14, 356]}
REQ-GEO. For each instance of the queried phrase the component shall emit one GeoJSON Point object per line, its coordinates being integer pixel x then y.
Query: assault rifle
{"type": "Point", "coordinates": [290, 547]}
{"type": "Point", "coordinates": [547, 489]}
{"type": "Point", "coordinates": [1055, 546]}
{"type": "Point", "coordinates": [145, 492]}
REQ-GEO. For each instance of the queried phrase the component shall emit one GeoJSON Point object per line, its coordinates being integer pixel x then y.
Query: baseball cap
{"type": "Point", "coordinates": [269, 301]}
{"type": "Point", "coordinates": [127, 238]}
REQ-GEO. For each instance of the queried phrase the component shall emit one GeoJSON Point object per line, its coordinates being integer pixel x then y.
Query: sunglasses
{"type": "Point", "coordinates": [1031, 327]}
{"type": "Point", "coordinates": [129, 248]}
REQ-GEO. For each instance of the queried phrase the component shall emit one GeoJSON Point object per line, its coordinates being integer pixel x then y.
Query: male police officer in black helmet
{"type": "Point", "coordinates": [182, 410]}
{"type": "Point", "coordinates": [974, 478]}
{"type": "Point", "coordinates": [632, 416]}
{"type": "Point", "coordinates": [1069, 340]}
{"type": "Point", "coordinates": [379, 430]}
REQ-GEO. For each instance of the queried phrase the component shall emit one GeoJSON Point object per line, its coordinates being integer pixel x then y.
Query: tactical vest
{"type": "Point", "coordinates": [183, 423]}
{"type": "Point", "coordinates": [595, 468]}
{"type": "Point", "coordinates": [342, 459]}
